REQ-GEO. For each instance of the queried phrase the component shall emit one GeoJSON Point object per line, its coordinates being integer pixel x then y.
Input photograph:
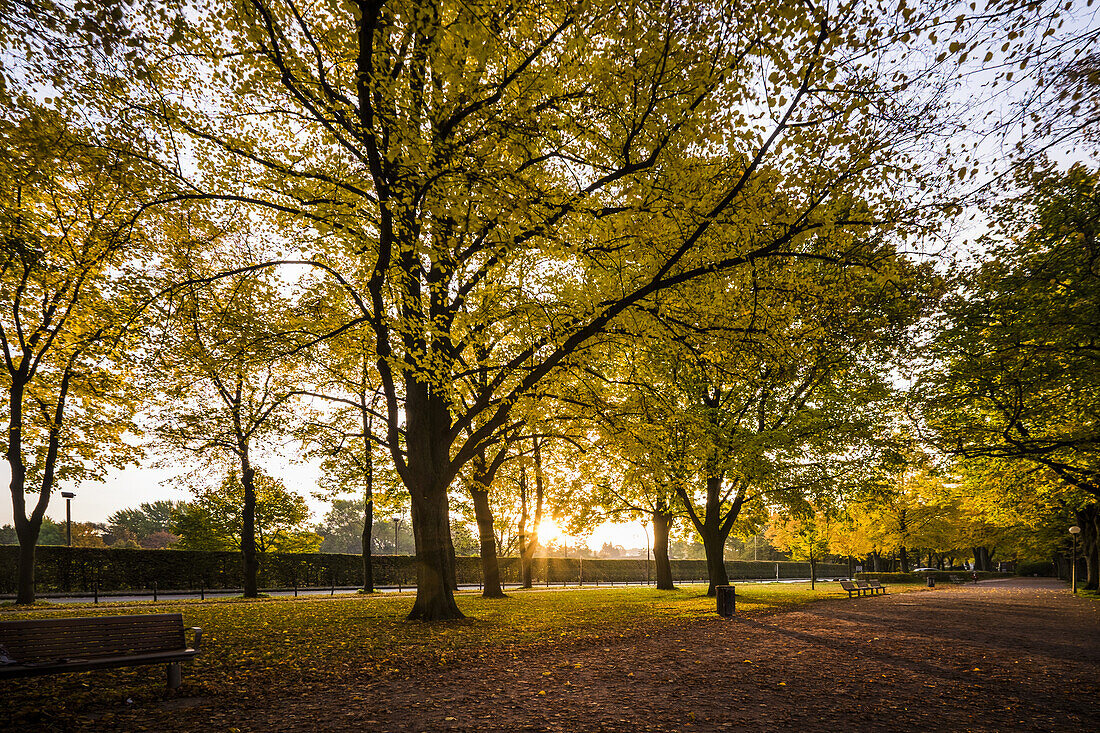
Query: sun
{"type": "Point", "coordinates": [549, 531]}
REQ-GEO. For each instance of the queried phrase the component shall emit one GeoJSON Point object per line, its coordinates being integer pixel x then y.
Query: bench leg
{"type": "Point", "coordinates": [175, 676]}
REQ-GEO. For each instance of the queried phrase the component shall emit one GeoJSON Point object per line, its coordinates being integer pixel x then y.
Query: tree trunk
{"type": "Point", "coordinates": [368, 489]}
{"type": "Point", "coordinates": [248, 531]}
{"type": "Point", "coordinates": [1088, 519]}
{"type": "Point", "coordinates": [981, 558]}
{"type": "Point", "coordinates": [27, 527]}
{"type": "Point", "coordinates": [368, 562]}
{"type": "Point", "coordinates": [490, 568]}
{"type": "Point", "coordinates": [527, 558]}
{"type": "Point", "coordinates": [813, 571]}
{"type": "Point", "coordinates": [435, 599]}
{"type": "Point", "coordinates": [428, 474]}
{"type": "Point", "coordinates": [27, 532]}
{"type": "Point", "coordinates": [452, 562]}
{"type": "Point", "coordinates": [662, 521]}
{"type": "Point", "coordinates": [716, 563]}
{"type": "Point", "coordinates": [903, 559]}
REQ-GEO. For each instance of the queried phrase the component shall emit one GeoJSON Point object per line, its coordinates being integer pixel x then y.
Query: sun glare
{"type": "Point", "coordinates": [549, 531]}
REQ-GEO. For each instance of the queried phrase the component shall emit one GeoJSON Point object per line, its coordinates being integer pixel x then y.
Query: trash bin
{"type": "Point", "coordinates": [727, 600]}
{"type": "Point", "coordinates": [931, 582]}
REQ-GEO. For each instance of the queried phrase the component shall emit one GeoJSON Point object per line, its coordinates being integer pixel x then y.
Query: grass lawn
{"type": "Point", "coordinates": [282, 644]}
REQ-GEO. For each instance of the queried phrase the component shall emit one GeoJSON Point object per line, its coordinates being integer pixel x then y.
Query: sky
{"type": "Point", "coordinates": [127, 488]}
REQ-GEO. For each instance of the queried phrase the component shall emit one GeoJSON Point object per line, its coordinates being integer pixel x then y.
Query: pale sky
{"type": "Point", "coordinates": [94, 501]}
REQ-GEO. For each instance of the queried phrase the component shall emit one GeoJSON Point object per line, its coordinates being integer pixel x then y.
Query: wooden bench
{"type": "Point", "coordinates": [851, 588]}
{"type": "Point", "coordinates": [876, 585]}
{"type": "Point", "coordinates": [872, 589]}
{"type": "Point", "coordinates": [33, 647]}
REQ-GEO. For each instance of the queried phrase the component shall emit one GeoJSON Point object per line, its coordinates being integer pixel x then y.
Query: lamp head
{"type": "Point", "coordinates": [1075, 529]}
{"type": "Point", "coordinates": [68, 494]}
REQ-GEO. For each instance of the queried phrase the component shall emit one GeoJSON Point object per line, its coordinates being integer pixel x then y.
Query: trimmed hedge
{"type": "Point", "coordinates": [941, 576]}
{"type": "Point", "coordinates": [1043, 568]}
{"type": "Point", "coordinates": [78, 569]}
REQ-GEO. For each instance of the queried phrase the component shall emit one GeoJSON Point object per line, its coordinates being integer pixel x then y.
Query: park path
{"type": "Point", "coordinates": [996, 656]}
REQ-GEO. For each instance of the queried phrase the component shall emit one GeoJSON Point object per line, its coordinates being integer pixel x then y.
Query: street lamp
{"type": "Point", "coordinates": [69, 496]}
{"type": "Point", "coordinates": [1074, 530]}
{"type": "Point", "coordinates": [396, 521]}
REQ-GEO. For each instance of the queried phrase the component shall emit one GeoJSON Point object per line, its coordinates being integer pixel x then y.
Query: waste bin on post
{"type": "Point", "coordinates": [727, 600]}
{"type": "Point", "coordinates": [931, 582]}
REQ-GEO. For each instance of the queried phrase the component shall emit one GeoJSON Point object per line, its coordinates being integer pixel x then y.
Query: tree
{"type": "Point", "coordinates": [70, 286]}
{"type": "Point", "coordinates": [221, 393]}
{"type": "Point", "coordinates": [1013, 368]}
{"type": "Point", "coordinates": [538, 171]}
{"type": "Point", "coordinates": [651, 460]}
{"type": "Point", "coordinates": [342, 531]}
{"type": "Point", "coordinates": [807, 535]}
{"type": "Point", "coordinates": [342, 432]}
{"type": "Point", "coordinates": [216, 521]}
{"type": "Point", "coordinates": [767, 391]}
{"type": "Point", "coordinates": [143, 521]}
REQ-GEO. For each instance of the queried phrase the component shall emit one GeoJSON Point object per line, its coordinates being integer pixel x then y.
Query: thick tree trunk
{"type": "Point", "coordinates": [661, 523]}
{"type": "Point", "coordinates": [428, 475]}
{"type": "Point", "coordinates": [716, 563]}
{"type": "Point", "coordinates": [435, 599]}
{"type": "Point", "coordinates": [903, 559]}
{"type": "Point", "coordinates": [27, 532]}
{"type": "Point", "coordinates": [981, 558]}
{"type": "Point", "coordinates": [249, 558]}
{"type": "Point", "coordinates": [490, 568]}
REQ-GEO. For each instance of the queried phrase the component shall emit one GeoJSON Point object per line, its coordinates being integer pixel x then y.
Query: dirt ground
{"type": "Point", "coordinates": [997, 656]}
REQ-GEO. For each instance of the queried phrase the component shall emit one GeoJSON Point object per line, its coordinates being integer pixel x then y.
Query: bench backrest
{"type": "Point", "coordinates": [873, 582]}
{"type": "Point", "coordinates": [848, 585]}
{"type": "Point", "coordinates": [862, 584]}
{"type": "Point", "coordinates": [46, 640]}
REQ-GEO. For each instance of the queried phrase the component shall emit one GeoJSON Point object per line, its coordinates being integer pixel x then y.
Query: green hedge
{"type": "Point", "coordinates": [78, 569]}
{"type": "Point", "coordinates": [1043, 568]}
{"type": "Point", "coordinates": [941, 576]}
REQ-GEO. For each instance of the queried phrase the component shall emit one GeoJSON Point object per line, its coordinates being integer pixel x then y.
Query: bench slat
{"type": "Point", "coordinates": [30, 640]}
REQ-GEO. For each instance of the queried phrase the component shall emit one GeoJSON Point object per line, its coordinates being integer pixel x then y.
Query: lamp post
{"type": "Point", "coordinates": [69, 496]}
{"type": "Point", "coordinates": [1074, 530]}
{"type": "Point", "coordinates": [396, 521]}
{"type": "Point", "coordinates": [645, 527]}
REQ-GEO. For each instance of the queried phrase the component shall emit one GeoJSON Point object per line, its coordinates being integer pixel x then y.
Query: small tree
{"type": "Point", "coordinates": [215, 520]}
{"type": "Point", "coordinates": [805, 533]}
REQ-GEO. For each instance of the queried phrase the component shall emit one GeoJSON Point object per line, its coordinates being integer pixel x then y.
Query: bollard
{"type": "Point", "coordinates": [154, 591]}
{"type": "Point", "coordinates": [727, 600]}
{"type": "Point", "coordinates": [202, 590]}
{"type": "Point", "coordinates": [295, 587]}
{"type": "Point", "coordinates": [95, 592]}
